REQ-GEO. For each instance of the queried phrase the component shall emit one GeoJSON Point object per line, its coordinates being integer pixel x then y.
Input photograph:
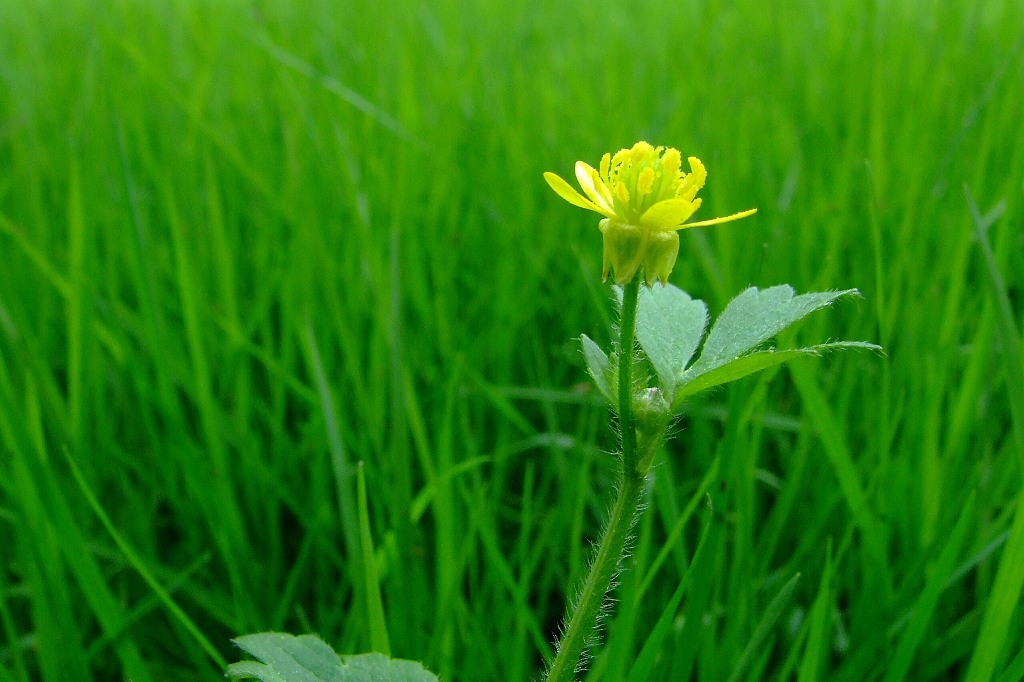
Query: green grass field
{"type": "Point", "coordinates": [245, 246]}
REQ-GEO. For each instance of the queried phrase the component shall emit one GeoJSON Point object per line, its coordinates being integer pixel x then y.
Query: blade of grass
{"type": "Point", "coordinates": [676, 534]}
{"type": "Point", "coordinates": [1009, 334]}
{"type": "Point", "coordinates": [935, 582]}
{"type": "Point", "coordinates": [49, 271]}
{"type": "Point", "coordinates": [374, 606]}
{"type": "Point", "coordinates": [648, 657]}
{"type": "Point", "coordinates": [832, 438]}
{"type": "Point", "coordinates": [176, 611]}
{"type": "Point", "coordinates": [212, 482]}
{"type": "Point", "coordinates": [53, 608]}
{"type": "Point", "coordinates": [1009, 581]}
{"type": "Point", "coordinates": [342, 466]}
{"type": "Point", "coordinates": [1015, 671]}
{"type": "Point", "coordinates": [764, 627]}
{"type": "Point", "coordinates": [82, 565]}
{"type": "Point", "coordinates": [819, 624]}
{"type": "Point", "coordinates": [13, 651]}
{"type": "Point", "coordinates": [704, 583]}
{"type": "Point", "coordinates": [77, 306]}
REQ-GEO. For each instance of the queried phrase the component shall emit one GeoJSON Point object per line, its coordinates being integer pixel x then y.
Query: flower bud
{"type": "Point", "coordinates": [651, 411]}
{"type": "Point", "coordinates": [652, 414]}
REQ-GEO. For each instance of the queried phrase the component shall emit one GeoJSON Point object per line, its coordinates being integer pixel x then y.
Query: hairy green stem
{"type": "Point", "coordinates": [583, 621]}
{"type": "Point", "coordinates": [627, 332]}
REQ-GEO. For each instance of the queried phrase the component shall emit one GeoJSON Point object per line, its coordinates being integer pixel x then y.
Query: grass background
{"type": "Point", "coordinates": [247, 245]}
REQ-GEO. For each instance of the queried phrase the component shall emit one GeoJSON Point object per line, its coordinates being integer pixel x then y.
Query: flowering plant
{"type": "Point", "coordinates": [646, 199]}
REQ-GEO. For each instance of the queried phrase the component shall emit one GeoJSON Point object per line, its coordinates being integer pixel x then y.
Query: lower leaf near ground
{"type": "Point", "coordinates": [286, 658]}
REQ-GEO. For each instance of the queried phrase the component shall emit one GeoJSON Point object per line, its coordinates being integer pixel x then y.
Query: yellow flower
{"type": "Point", "coordinates": [646, 199]}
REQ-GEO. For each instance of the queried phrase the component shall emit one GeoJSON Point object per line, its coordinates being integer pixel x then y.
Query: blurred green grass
{"type": "Point", "coordinates": [246, 245]}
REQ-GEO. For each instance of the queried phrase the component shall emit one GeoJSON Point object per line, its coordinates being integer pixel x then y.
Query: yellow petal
{"type": "Point", "coordinates": [669, 214]}
{"type": "Point", "coordinates": [724, 219]}
{"type": "Point", "coordinates": [565, 190]}
{"type": "Point", "coordinates": [594, 187]}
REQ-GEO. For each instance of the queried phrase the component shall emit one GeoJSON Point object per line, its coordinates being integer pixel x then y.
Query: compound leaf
{"type": "Point", "coordinates": [286, 658]}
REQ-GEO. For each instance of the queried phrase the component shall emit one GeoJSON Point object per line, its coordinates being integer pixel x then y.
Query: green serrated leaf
{"type": "Point", "coordinates": [286, 658]}
{"type": "Point", "coordinates": [737, 369]}
{"type": "Point", "coordinates": [755, 362]}
{"type": "Point", "coordinates": [752, 318]}
{"type": "Point", "coordinates": [252, 669]}
{"type": "Point", "coordinates": [669, 327]}
{"type": "Point", "coordinates": [599, 366]}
